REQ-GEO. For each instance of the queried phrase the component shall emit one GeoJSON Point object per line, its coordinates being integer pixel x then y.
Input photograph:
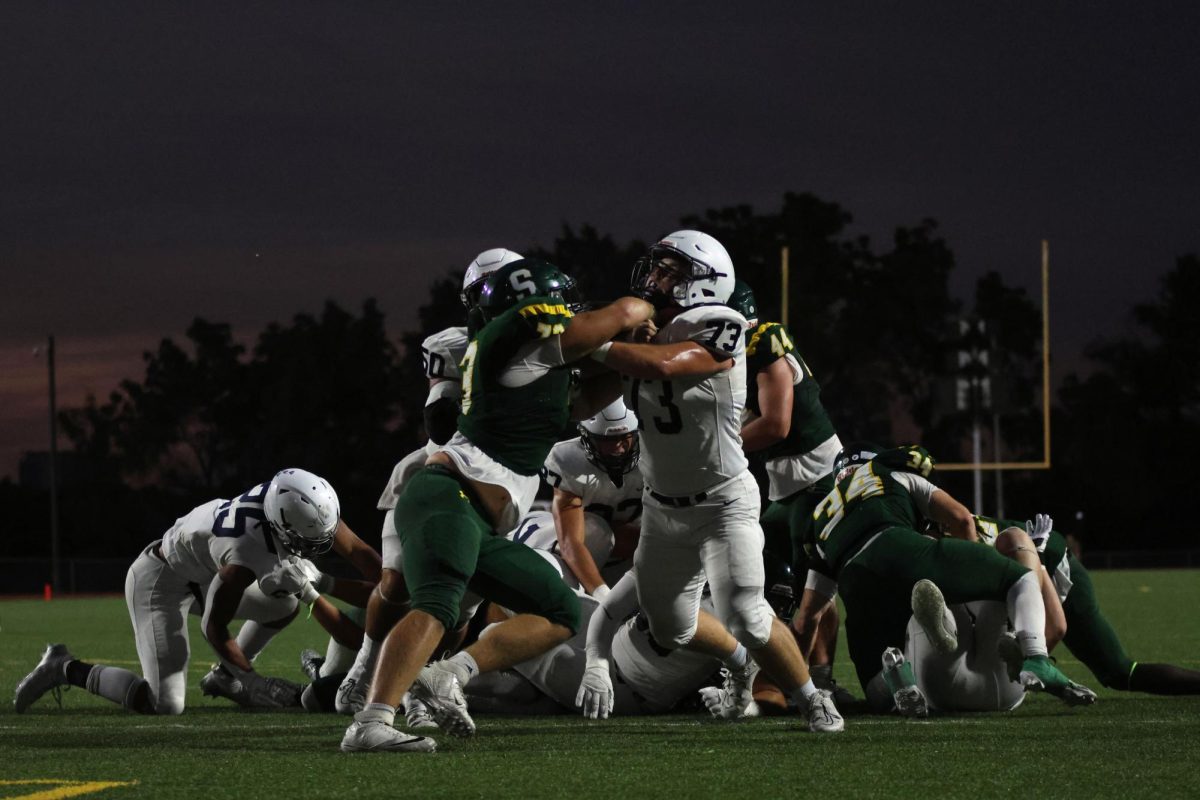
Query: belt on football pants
{"type": "Point", "coordinates": [679, 502]}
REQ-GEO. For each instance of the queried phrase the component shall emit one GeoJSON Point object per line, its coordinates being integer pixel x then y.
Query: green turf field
{"type": "Point", "coordinates": [1127, 745]}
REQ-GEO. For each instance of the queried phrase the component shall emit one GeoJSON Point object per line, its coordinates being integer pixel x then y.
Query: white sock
{"type": "Point", "coordinates": [338, 659]}
{"type": "Point", "coordinates": [377, 712]}
{"type": "Point", "coordinates": [462, 665]}
{"type": "Point", "coordinates": [115, 684]}
{"type": "Point", "coordinates": [364, 662]}
{"type": "Point", "coordinates": [801, 694]}
{"type": "Point", "coordinates": [1028, 613]}
{"type": "Point", "coordinates": [253, 637]}
{"type": "Point", "coordinates": [738, 659]}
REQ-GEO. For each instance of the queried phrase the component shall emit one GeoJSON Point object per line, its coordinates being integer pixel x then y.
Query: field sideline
{"type": "Point", "coordinates": [1126, 745]}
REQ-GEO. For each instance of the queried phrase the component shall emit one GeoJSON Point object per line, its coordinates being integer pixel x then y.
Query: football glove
{"type": "Point", "coordinates": [293, 576]}
{"type": "Point", "coordinates": [263, 692]}
{"type": "Point", "coordinates": [595, 694]}
{"type": "Point", "coordinates": [1039, 530]}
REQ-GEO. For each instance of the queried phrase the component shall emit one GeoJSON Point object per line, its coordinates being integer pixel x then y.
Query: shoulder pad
{"type": "Point", "coordinates": [545, 316]}
{"type": "Point", "coordinates": [770, 340]}
{"type": "Point", "coordinates": [443, 351]}
{"type": "Point", "coordinates": [717, 327]}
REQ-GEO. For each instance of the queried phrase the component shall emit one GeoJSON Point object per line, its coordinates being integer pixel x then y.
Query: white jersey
{"type": "Point", "coordinates": [222, 532]}
{"type": "Point", "coordinates": [443, 351]}
{"type": "Point", "coordinates": [567, 468]}
{"type": "Point", "coordinates": [691, 428]}
{"type": "Point", "coordinates": [537, 530]}
{"type": "Point", "coordinates": [662, 677]}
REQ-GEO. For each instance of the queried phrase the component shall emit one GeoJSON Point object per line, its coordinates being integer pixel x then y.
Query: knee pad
{"type": "Point", "coordinates": [752, 627]}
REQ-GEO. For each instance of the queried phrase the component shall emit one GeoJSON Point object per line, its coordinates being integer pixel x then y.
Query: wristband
{"type": "Point", "coordinates": [601, 353]}
{"type": "Point", "coordinates": [309, 594]}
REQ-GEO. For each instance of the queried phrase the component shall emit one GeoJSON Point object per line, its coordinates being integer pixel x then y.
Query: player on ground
{"type": "Point", "coordinates": [870, 551]}
{"type": "Point", "coordinates": [597, 490]}
{"type": "Point", "coordinates": [441, 354]}
{"type": "Point", "coordinates": [1089, 636]}
{"type": "Point", "coordinates": [701, 507]}
{"type": "Point", "coordinates": [216, 560]}
{"type": "Point", "coordinates": [515, 404]}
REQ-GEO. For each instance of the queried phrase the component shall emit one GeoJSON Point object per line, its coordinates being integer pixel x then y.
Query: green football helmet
{"type": "Point", "coordinates": [780, 588]}
{"type": "Point", "coordinates": [528, 277]}
{"type": "Point", "coordinates": [742, 301]}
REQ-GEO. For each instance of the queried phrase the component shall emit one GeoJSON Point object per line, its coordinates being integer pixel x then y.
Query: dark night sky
{"type": "Point", "coordinates": [165, 160]}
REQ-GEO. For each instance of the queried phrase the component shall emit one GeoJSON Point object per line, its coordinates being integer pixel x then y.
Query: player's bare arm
{"type": "Point", "coordinates": [775, 396]}
{"type": "Point", "coordinates": [952, 515]}
{"type": "Point", "coordinates": [364, 558]}
{"type": "Point", "coordinates": [567, 509]}
{"type": "Point", "coordinates": [666, 361]}
{"type": "Point", "coordinates": [224, 596]}
{"type": "Point", "coordinates": [591, 329]}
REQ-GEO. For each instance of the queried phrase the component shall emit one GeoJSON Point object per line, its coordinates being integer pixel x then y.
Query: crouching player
{"type": "Point", "coordinates": [209, 562]}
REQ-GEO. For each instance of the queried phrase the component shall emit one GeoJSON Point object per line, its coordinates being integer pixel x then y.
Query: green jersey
{"type": "Point", "coordinates": [866, 502]}
{"type": "Point", "coordinates": [811, 426]}
{"type": "Point", "coordinates": [515, 424]}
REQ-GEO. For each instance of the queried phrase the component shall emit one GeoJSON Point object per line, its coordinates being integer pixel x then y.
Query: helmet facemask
{"type": "Point", "coordinates": [664, 277]}
{"type": "Point", "coordinates": [298, 544]}
{"type": "Point", "coordinates": [598, 450]}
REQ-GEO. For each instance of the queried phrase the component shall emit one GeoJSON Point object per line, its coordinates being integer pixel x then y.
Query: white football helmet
{"type": "Point", "coordinates": [302, 509]}
{"type": "Point", "coordinates": [484, 264]}
{"type": "Point", "coordinates": [685, 268]}
{"type": "Point", "coordinates": [600, 435]}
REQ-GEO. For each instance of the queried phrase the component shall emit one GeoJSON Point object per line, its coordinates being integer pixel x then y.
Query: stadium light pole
{"type": "Point", "coordinates": [783, 284]}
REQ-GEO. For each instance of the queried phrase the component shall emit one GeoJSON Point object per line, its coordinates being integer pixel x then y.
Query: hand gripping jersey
{"type": "Point", "coordinates": [811, 426]}
{"type": "Point", "coordinates": [568, 468]}
{"type": "Point", "coordinates": [691, 428]}
{"type": "Point", "coordinates": [868, 501]}
{"type": "Point", "coordinates": [442, 353]}
{"type": "Point", "coordinates": [515, 402]}
{"type": "Point", "coordinates": [222, 532]}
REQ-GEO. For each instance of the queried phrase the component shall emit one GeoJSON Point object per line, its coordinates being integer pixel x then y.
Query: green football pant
{"type": "Point", "coordinates": [786, 524]}
{"type": "Point", "coordinates": [1090, 637]}
{"type": "Point", "coordinates": [876, 587]}
{"type": "Point", "coordinates": [448, 545]}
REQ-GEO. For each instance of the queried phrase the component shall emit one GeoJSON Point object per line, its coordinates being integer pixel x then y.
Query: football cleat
{"type": "Point", "coordinates": [351, 695]}
{"type": "Point", "coordinates": [823, 716]}
{"type": "Point", "coordinates": [379, 737]}
{"type": "Point", "coordinates": [416, 713]}
{"type": "Point", "coordinates": [898, 676]}
{"type": "Point", "coordinates": [1038, 674]}
{"type": "Point", "coordinates": [220, 682]}
{"type": "Point", "coordinates": [438, 688]}
{"type": "Point", "coordinates": [929, 610]}
{"type": "Point", "coordinates": [722, 705]}
{"type": "Point", "coordinates": [738, 692]}
{"type": "Point", "coordinates": [48, 676]}
{"type": "Point", "coordinates": [311, 662]}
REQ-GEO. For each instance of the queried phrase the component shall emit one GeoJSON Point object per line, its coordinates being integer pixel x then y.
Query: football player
{"type": "Point", "coordinates": [687, 384]}
{"type": "Point", "coordinates": [515, 404]}
{"type": "Point", "coordinates": [791, 431]}
{"type": "Point", "coordinates": [441, 353]}
{"type": "Point", "coordinates": [1089, 635]}
{"type": "Point", "coordinates": [219, 560]}
{"type": "Point", "coordinates": [869, 550]}
{"type": "Point", "coordinates": [597, 499]}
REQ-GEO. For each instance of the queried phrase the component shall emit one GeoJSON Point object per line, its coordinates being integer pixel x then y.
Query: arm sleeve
{"type": "Point", "coordinates": [532, 361]}
{"type": "Point", "coordinates": [608, 616]}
